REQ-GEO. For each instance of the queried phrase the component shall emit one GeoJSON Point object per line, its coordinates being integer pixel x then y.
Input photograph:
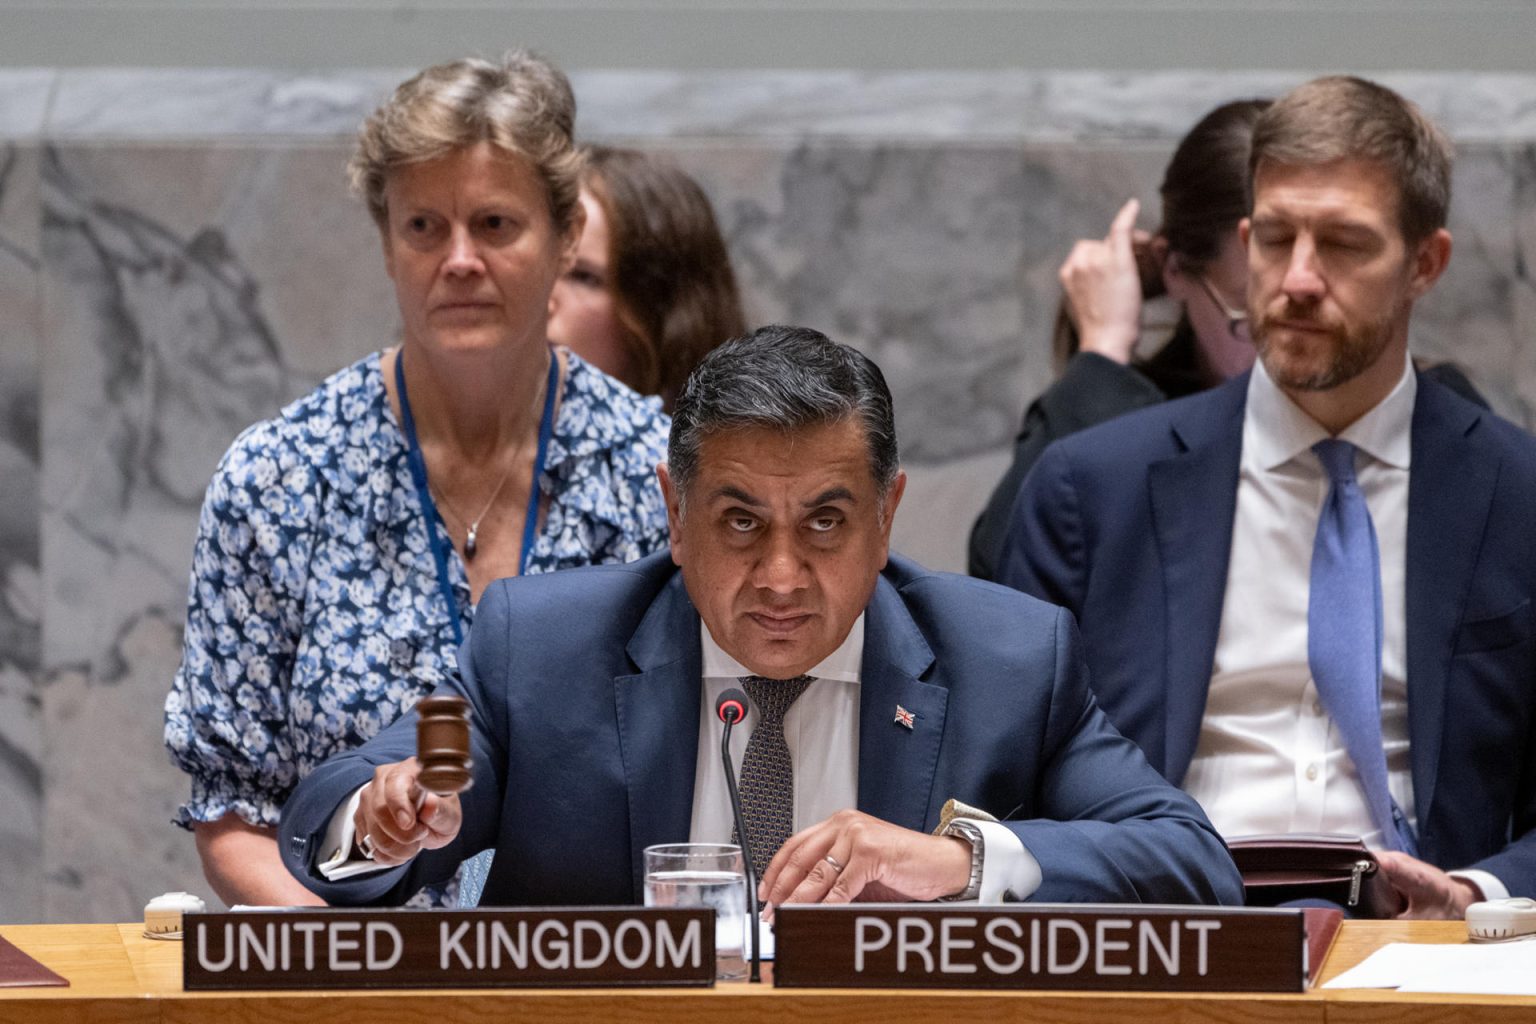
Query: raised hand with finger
{"type": "Point", "coordinates": [1103, 287]}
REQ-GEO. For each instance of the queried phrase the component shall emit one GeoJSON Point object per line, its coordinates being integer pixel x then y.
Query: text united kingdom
{"type": "Point", "coordinates": [449, 949]}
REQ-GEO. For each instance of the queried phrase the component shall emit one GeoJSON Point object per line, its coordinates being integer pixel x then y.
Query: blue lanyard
{"type": "Point", "coordinates": [418, 466]}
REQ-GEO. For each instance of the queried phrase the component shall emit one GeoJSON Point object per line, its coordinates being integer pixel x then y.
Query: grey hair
{"type": "Point", "coordinates": [787, 378]}
{"type": "Point", "coordinates": [523, 105]}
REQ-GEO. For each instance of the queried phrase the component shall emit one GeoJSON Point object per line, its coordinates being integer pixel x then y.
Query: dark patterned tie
{"type": "Point", "coordinates": [767, 777]}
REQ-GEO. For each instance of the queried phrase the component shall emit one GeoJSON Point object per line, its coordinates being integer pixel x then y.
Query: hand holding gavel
{"type": "Point", "coordinates": [413, 805]}
{"type": "Point", "coordinates": [442, 744]}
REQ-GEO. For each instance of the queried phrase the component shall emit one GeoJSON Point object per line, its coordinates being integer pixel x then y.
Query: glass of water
{"type": "Point", "coordinates": [704, 875]}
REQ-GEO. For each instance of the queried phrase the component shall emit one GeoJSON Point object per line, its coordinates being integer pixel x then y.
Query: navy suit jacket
{"type": "Point", "coordinates": [585, 687]}
{"type": "Point", "coordinates": [1129, 525]}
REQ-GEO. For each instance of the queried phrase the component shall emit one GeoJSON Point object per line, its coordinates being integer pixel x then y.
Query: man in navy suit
{"type": "Point", "coordinates": [1197, 542]}
{"type": "Point", "coordinates": [896, 690]}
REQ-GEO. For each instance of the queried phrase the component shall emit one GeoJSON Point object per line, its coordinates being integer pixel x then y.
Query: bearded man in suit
{"type": "Point", "coordinates": [1307, 593]}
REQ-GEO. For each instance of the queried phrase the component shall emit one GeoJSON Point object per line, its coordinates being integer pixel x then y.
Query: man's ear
{"type": "Point", "coordinates": [672, 497]}
{"type": "Point", "coordinates": [1430, 258]}
{"type": "Point", "coordinates": [892, 499]}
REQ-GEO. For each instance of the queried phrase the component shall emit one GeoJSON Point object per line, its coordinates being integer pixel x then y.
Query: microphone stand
{"type": "Point", "coordinates": [746, 849]}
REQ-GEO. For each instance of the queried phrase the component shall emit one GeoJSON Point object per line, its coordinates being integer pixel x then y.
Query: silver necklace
{"type": "Point", "coordinates": [471, 544]}
{"type": "Point", "coordinates": [471, 538]}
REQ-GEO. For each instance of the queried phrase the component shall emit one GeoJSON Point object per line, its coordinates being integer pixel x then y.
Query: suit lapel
{"type": "Point", "coordinates": [658, 719]}
{"type": "Point", "coordinates": [1193, 499]}
{"type": "Point", "coordinates": [1450, 493]}
{"type": "Point", "coordinates": [897, 764]}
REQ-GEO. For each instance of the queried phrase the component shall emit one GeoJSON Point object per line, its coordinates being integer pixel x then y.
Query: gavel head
{"type": "Point", "coordinates": [442, 744]}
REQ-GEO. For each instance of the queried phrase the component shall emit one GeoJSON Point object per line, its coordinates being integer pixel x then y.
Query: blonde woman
{"type": "Point", "coordinates": [344, 543]}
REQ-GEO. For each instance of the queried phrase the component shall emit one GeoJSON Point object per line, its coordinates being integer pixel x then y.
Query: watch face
{"type": "Point", "coordinates": [971, 833]}
{"type": "Point", "coordinates": [964, 829]}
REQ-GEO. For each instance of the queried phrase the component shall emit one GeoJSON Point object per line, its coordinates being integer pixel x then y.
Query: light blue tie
{"type": "Point", "coordinates": [1344, 632]}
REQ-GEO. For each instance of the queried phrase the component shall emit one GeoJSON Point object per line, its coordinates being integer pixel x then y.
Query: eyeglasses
{"type": "Point", "coordinates": [1235, 317]}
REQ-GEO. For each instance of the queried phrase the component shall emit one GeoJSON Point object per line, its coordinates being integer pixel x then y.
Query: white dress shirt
{"type": "Point", "coordinates": [821, 730]}
{"type": "Point", "coordinates": [1269, 758]}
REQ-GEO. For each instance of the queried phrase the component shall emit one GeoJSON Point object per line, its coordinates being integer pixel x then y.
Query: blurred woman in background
{"type": "Point", "coordinates": [1195, 258]}
{"type": "Point", "coordinates": [651, 290]}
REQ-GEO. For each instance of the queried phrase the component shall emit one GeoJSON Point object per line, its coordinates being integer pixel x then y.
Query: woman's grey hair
{"type": "Point", "coordinates": [788, 378]}
{"type": "Point", "coordinates": [522, 105]}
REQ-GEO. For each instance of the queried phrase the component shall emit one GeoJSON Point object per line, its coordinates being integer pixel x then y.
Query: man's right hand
{"type": "Point", "coordinates": [400, 819]}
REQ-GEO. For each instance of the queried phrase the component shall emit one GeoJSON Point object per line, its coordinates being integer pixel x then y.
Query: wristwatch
{"type": "Point", "coordinates": [968, 830]}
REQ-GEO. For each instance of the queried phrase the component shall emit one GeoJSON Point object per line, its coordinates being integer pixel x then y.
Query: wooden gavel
{"type": "Point", "coordinates": [442, 745]}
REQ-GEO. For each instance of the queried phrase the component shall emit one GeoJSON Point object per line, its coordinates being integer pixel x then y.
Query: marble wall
{"type": "Point", "coordinates": [178, 257]}
{"type": "Point", "coordinates": [21, 718]}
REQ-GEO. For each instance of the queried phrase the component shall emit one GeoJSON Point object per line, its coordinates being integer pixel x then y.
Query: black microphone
{"type": "Point", "coordinates": [731, 707]}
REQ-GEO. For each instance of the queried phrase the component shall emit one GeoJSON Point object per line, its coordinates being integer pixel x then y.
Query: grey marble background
{"type": "Point", "coordinates": [179, 257]}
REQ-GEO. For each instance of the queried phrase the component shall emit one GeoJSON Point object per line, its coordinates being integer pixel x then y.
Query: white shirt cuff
{"type": "Point", "coordinates": [1493, 889]}
{"type": "Point", "coordinates": [339, 862]}
{"type": "Point", "coordinates": [1008, 869]}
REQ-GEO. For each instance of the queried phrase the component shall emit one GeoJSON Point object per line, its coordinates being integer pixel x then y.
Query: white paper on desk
{"type": "Point", "coordinates": [1388, 967]}
{"type": "Point", "coordinates": [765, 932]}
{"type": "Point", "coordinates": [1500, 969]}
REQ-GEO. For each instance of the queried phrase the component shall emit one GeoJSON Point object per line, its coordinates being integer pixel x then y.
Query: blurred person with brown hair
{"type": "Point", "coordinates": [651, 290]}
{"type": "Point", "coordinates": [1195, 258]}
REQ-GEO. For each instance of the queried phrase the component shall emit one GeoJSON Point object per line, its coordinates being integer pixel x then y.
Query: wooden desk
{"type": "Point", "coordinates": [1358, 939]}
{"type": "Point", "coordinates": [117, 975]}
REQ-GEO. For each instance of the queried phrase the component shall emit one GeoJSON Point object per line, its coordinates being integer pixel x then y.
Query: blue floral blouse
{"type": "Point", "coordinates": [315, 616]}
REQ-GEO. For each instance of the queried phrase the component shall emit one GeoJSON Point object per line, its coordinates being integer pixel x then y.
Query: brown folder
{"type": "Point", "coordinates": [1277, 869]}
{"type": "Point", "coordinates": [17, 970]}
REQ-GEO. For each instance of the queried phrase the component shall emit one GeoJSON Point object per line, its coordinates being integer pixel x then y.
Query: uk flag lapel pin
{"type": "Point", "coordinates": [905, 717]}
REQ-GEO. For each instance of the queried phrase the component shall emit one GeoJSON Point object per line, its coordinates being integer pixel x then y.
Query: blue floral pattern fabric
{"type": "Point", "coordinates": [316, 617]}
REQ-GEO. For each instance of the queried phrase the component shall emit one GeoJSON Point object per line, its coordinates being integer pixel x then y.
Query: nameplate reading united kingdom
{"type": "Point", "coordinates": [336, 948]}
{"type": "Point", "coordinates": [1059, 946]}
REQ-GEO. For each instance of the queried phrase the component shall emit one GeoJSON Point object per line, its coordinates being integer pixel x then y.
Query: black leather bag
{"type": "Point", "coordinates": [1278, 869]}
